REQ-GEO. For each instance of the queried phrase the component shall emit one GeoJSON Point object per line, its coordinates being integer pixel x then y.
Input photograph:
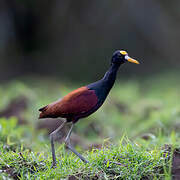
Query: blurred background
{"type": "Point", "coordinates": [48, 48]}
{"type": "Point", "coordinates": [66, 39]}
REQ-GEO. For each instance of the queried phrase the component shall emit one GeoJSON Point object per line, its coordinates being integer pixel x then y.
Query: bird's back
{"type": "Point", "coordinates": [74, 105]}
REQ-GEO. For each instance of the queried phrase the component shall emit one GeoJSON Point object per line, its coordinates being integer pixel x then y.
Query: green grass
{"type": "Point", "coordinates": [133, 110]}
{"type": "Point", "coordinates": [125, 159]}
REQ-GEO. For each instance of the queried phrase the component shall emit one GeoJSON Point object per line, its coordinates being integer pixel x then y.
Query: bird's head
{"type": "Point", "coordinates": [120, 57]}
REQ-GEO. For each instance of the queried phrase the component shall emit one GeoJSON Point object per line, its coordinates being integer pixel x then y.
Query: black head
{"type": "Point", "coordinates": [120, 57]}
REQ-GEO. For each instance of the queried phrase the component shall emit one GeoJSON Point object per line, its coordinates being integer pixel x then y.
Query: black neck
{"type": "Point", "coordinates": [110, 75]}
{"type": "Point", "coordinates": [103, 86]}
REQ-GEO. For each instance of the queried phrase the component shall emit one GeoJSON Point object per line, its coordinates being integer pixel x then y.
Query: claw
{"type": "Point", "coordinates": [54, 166]}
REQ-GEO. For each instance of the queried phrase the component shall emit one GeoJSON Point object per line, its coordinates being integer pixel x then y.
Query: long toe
{"type": "Point", "coordinates": [85, 161]}
{"type": "Point", "coordinates": [54, 166]}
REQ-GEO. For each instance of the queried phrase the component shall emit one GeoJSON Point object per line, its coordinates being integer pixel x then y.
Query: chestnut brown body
{"type": "Point", "coordinates": [73, 106]}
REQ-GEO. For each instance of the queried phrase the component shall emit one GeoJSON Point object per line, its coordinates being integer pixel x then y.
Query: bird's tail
{"type": "Point", "coordinates": [42, 110]}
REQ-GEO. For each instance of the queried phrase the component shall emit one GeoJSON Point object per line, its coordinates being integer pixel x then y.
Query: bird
{"type": "Point", "coordinates": [83, 101]}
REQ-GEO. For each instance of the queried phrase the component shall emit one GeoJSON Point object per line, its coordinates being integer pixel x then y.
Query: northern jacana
{"type": "Point", "coordinates": [83, 101]}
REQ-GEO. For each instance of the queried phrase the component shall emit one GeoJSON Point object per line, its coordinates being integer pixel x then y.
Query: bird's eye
{"type": "Point", "coordinates": [120, 55]}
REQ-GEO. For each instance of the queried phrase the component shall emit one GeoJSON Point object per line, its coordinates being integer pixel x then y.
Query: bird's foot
{"type": "Point", "coordinates": [111, 162]}
{"type": "Point", "coordinates": [53, 166]}
{"type": "Point", "coordinates": [85, 161]}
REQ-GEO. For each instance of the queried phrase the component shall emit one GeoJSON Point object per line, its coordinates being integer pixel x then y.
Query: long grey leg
{"type": "Point", "coordinates": [53, 136]}
{"type": "Point", "coordinates": [68, 145]}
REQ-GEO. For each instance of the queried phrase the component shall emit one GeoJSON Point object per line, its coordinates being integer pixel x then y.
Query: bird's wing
{"type": "Point", "coordinates": [75, 103]}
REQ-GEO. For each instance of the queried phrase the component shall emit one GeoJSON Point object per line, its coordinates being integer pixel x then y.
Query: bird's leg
{"type": "Point", "coordinates": [53, 136]}
{"type": "Point", "coordinates": [69, 146]}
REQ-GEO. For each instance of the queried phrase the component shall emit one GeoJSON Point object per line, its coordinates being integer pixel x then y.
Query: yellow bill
{"type": "Point", "coordinates": [129, 59]}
